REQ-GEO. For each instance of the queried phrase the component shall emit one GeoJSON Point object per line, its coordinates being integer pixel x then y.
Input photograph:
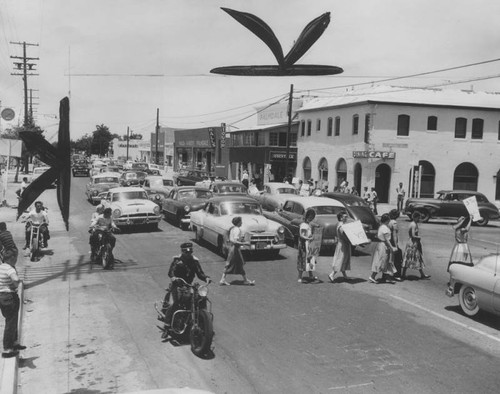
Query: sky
{"type": "Point", "coordinates": [120, 60]}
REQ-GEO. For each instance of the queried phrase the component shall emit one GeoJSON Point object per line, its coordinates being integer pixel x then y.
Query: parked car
{"type": "Point", "coordinates": [449, 204]}
{"type": "Point", "coordinates": [80, 168]}
{"type": "Point", "coordinates": [101, 183]}
{"type": "Point", "coordinates": [131, 207]}
{"type": "Point", "coordinates": [212, 224]}
{"type": "Point", "coordinates": [182, 201]}
{"type": "Point", "coordinates": [37, 171]}
{"type": "Point", "coordinates": [129, 178]}
{"type": "Point", "coordinates": [157, 187]}
{"type": "Point", "coordinates": [292, 214]}
{"type": "Point", "coordinates": [190, 177]}
{"type": "Point", "coordinates": [220, 188]}
{"type": "Point", "coordinates": [274, 195]}
{"type": "Point", "coordinates": [478, 287]}
{"type": "Point", "coordinates": [357, 209]}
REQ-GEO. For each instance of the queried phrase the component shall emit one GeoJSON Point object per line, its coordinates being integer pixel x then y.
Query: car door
{"type": "Point", "coordinates": [210, 217]}
{"type": "Point", "coordinates": [168, 203]}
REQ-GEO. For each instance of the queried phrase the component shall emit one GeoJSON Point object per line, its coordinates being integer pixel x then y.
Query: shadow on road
{"type": "Point", "coordinates": [488, 319]}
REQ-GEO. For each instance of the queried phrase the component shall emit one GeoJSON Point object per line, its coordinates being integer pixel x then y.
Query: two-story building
{"type": "Point", "coordinates": [428, 139]}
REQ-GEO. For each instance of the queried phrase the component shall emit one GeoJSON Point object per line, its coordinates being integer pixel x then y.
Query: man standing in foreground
{"type": "Point", "coordinates": [8, 247]}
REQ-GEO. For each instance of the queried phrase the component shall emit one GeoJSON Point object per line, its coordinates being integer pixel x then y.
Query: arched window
{"type": "Point", "coordinates": [403, 125]}
{"type": "Point", "coordinates": [460, 127]}
{"type": "Point", "coordinates": [427, 179]}
{"type": "Point", "coordinates": [432, 123]}
{"type": "Point", "coordinates": [477, 129]}
{"type": "Point", "coordinates": [323, 172]}
{"type": "Point", "coordinates": [465, 177]}
{"type": "Point", "coordinates": [341, 169]}
{"type": "Point", "coordinates": [306, 168]}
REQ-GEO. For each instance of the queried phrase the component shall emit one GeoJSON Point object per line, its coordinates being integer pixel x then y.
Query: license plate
{"type": "Point", "coordinates": [260, 245]}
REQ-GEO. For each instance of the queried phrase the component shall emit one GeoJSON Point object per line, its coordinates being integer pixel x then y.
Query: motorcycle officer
{"type": "Point", "coordinates": [103, 223]}
{"type": "Point", "coordinates": [185, 266]}
{"type": "Point", "coordinates": [40, 217]}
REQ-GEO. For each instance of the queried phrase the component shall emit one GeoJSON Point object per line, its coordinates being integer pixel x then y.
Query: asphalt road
{"type": "Point", "coordinates": [278, 336]}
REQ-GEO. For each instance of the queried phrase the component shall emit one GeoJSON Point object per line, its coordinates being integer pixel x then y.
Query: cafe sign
{"type": "Point", "coordinates": [273, 155]}
{"type": "Point", "coordinates": [373, 154]}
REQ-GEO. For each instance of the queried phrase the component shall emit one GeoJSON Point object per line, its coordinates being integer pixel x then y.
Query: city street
{"type": "Point", "coordinates": [94, 331]}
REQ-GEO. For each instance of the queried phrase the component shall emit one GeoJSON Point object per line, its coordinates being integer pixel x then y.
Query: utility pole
{"type": "Point", "coordinates": [25, 66]}
{"type": "Point", "coordinates": [289, 130]}
{"type": "Point", "coordinates": [128, 138]}
{"type": "Point", "coordinates": [157, 132]}
{"type": "Point", "coordinates": [31, 105]}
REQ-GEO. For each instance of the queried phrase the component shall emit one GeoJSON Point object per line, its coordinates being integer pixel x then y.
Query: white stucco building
{"type": "Point", "coordinates": [378, 137]}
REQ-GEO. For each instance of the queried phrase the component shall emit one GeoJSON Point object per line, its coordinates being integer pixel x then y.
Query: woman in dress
{"type": "Point", "coordinates": [305, 237]}
{"type": "Point", "coordinates": [342, 256]}
{"type": "Point", "coordinates": [413, 257]}
{"type": "Point", "coordinates": [235, 262]}
{"type": "Point", "coordinates": [382, 260]}
{"type": "Point", "coordinates": [398, 254]}
{"type": "Point", "coordinates": [461, 253]}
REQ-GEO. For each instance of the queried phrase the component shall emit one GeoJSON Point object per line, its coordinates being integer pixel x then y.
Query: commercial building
{"type": "Point", "coordinates": [428, 139]}
{"type": "Point", "coordinates": [138, 150]}
{"type": "Point", "coordinates": [162, 147]}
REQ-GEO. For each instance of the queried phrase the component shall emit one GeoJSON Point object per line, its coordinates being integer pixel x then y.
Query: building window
{"type": "Point", "coordinates": [273, 139]}
{"type": "Point", "coordinates": [477, 129]}
{"type": "Point", "coordinates": [248, 139]}
{"type": "Point", "coordinates": [404, 125]}
{"type": "Point", "coordinates": [293, 139]}
{"type": "Point", "coordinates": [337, 126]}
{"type": "Point", "coordinates": [355, 124]}
{"type": "Point", "coordinates": [303, 128]}
{"type": "Point", "coordinates": [460, 127]}
{"type": "Point", "coordinates": [367, 128]}
{"type": "Point", "coordinates": [330, 127]}
{"type": "Point", "coordinates": [282, 139]}
{"type": "Point", "coordinates": [309, 126]}
{"type": "Point", "coordinates": [318, 125]}
{"type": "Point", "coordinates": [432, 123]}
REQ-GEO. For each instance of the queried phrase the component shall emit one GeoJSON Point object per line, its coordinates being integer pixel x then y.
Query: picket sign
{"type": "Point", "coordinates": [355, 233]}
{"type": "Point", "coordinates": [472, 208]}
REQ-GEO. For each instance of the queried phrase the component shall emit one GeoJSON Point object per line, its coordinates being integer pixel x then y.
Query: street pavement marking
{"type": "Point", "coordinates": [449, 319]}
{"type": "Point", "coordinates": [350, 386]}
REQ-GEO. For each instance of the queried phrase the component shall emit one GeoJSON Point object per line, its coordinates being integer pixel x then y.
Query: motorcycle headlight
{"type": "Point", "coordinates": [187, 208]}
{"type": "Point", "coordinates": [156, 210]}
{"type": "Point", "coordinates": [203, 291]}
{"type": "Point", "coordinates": [157, 197]}
{"type": "Point", "coordinates": [117, 213]}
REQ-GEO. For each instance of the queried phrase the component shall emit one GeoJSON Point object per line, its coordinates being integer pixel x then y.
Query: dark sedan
{"type": "Point", "coordinates": [189, 178]}
{"type": "Point", "coordinates": [223, 188]}
{"type": "Point", "coordinates": [183, 200]}
{"type": "Point", "coordinates": [80, 168]}
{"type": "Point", "coordinates": [358, 209]}
{"type": "Point", "coordinates": [449, 204]}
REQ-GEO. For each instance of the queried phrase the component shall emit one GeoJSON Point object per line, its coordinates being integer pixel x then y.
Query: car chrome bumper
{"type": "Point", "coordinates": [263, 246]}
{"type": "Point", "coordinates": [136, 220]}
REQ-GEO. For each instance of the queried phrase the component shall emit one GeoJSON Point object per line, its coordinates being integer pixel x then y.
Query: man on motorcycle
{"type": "Point", "coordinates": [103, 223]}
{"type": "Point", "coordinates": [38, 216]}
{"type": "Point", "coordinates": [184, 266]}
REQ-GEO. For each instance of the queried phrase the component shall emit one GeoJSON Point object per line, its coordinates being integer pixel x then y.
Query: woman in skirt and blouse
{"type": "Point", "coordinates": [305, 237]}
{"type": "Point", "coordinates": [342, 256]}
{"type": "Point", "coordinates": [382, 260]}
{"type": "Point", "coordinates": [413, 257]}
{"type": "Point", "coordinates": [460, 253]}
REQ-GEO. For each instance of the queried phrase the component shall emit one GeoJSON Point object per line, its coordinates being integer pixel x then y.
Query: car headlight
{"type": "Point", "coordinates": [95, 193]}
{"type": "Point", "coordinates": [281, 230]}
{"type": "Point", "coordinates": [156, 210]}
{"type": "Point", "coordinates": [117, 213]}
{"type": "Point", "coordinates": [157, 197]}
{"type": "Point", "coordinates": [187, 208]}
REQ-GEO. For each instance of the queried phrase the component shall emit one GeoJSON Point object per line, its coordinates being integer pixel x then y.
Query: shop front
{"type": "Point", "coordinates": [196, 149]}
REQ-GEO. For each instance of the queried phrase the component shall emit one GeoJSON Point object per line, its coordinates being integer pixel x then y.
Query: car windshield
{"type": "Point", "coordinates": [327, 210]}
{"type": "Point", "coordinates": [168, 182]}
{"type": "Point", "coordinates": [107, 179]}
{"type": "Point", "coordinates": [130, 175]}
{"type": "Point", "coordinates": [238, 208]}
{"type": "Point", "coordinates": [286, 190]}
{"type": "Point", "coordinates": [139, 166]}
{"type": "Point", "coordinates": [130, 195]}
{"type": "Point", "coordinates": [233, 189]}
{"type": "Point", "coordinates": [185, 194]}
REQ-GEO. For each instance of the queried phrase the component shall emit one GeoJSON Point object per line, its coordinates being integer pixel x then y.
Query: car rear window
{"type": "Point", "coordinates": [327, 210]}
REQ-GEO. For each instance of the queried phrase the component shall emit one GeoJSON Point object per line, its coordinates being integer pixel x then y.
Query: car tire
{"type": "Point", "coordinates": [221, 249]}
{"type": "Point", "coordinates": [484, 220]}
{"type": "Point", "coordinates": [424, 215]}
{"type": "Point", "coordinates": [468, 300]}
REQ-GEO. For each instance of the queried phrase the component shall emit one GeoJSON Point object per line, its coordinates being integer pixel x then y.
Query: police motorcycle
{"type": "Point", "coordinates": [193, 318]}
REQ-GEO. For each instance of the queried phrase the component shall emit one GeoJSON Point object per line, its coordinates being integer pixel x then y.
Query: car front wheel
{"type": "Point", "coordinates": [468, 300]}
{"type": "Point", "coordinates": [424, 215]}
{"type": "Point", "coordinates": [483, 221]}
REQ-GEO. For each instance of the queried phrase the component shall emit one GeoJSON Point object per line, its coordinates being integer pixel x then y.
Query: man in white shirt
{"type": "Point", "coordinates": [38, 216]}
{"type": "Point", "coordinates": [401, 195]}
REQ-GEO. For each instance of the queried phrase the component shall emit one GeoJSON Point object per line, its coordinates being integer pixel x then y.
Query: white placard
{"type": "Point", "coordinates": [10, 147]}
{"type": "Point", "coordinates": [355, 233]}
{"type": "Point", "coordinates": [472, 208]}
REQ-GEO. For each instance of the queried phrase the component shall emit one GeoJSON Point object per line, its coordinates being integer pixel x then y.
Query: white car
{"type": "Point", "coordinates": [131, 207]}
{"type": "Point", "coordinates": [274, 195]}
{"type": "Point", "coordinates": [100, 183]}
{"type": "Point", "coordinates": [213, 223]}
{"type": "Point", "coordinates": [478, 287]}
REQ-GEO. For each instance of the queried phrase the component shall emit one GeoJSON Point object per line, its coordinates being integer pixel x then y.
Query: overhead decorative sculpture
{"type": "Point", "coordinates": [59, 161]}
{"type": "Point", "coordinates": [286, 64]}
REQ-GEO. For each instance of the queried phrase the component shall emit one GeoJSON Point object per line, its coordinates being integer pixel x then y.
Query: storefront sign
{"type": "Point", "coordinates": [282, 156]}
{"type": "Point", "coordinates": [368, 154]}
{"type": "Point", "coordinates": [204, 143]}
{"type": "Point", "coordinates": [211, 134]}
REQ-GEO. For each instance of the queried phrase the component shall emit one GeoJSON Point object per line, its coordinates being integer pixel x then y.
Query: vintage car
{"type": "Point", "coordinates": [129, 178]}
{"type": "Point", "coordinates": [101, 183]}
{"type": "Point", "coordinates": [183, 200]}
{"type": "Point", "coordinates": [478, 287]}
{"type": "Point", "coordinates": [292, 214]}
{"type": "Point", "coordinates": [80, 168]}
{"type": "Point", "coordinates": [190, 177]}
{"type": "Point", "coordinates": [37, 171]}
{"type": "Point", "coordinates": [131, 207]}
{"type": "Point", "coordinates": [274, 195]}
{"type": "Point", "coordinates": [357, 209]}
{"type": "Point", "coordinates": [212, 224]}
{"type": "Point", "coordinates": [157, 187]}
{"type": "Point", "coordinates": [449, 204]}
{"type": "Point", "coordinates": [222, 188]}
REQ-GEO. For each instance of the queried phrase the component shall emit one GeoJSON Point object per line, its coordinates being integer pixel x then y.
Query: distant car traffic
{"type": "Point", "coordinates": [129, 178]}
{"type": "Point", "coordinates": [357, 209]}
{"type": "Point", "coordinates": [100, 183]}
{"type": "Point", "coordinates": [213, 223]}
{"type": "Point", "coordinates": [131, 207]}
{"type": "Point", "coordinates": [80, 168]}
{"type": "Point", "coordinates": [292, 215]}
{"type": "Point", "coordinates": [274, 195]}
{"type": "Point", "coordinates": [478, 287]}
{"type": "Point", "coordinates": [182, 201]}
{"type": "Point", "coordinates": [449, 204]}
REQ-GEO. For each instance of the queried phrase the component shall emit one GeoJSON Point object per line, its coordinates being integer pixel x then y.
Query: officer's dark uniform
{"type": "Point", "coordinates": [184, 266]}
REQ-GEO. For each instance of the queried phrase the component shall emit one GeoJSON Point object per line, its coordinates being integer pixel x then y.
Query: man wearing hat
{"type": "Point", "coordinates": [184, 266]}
